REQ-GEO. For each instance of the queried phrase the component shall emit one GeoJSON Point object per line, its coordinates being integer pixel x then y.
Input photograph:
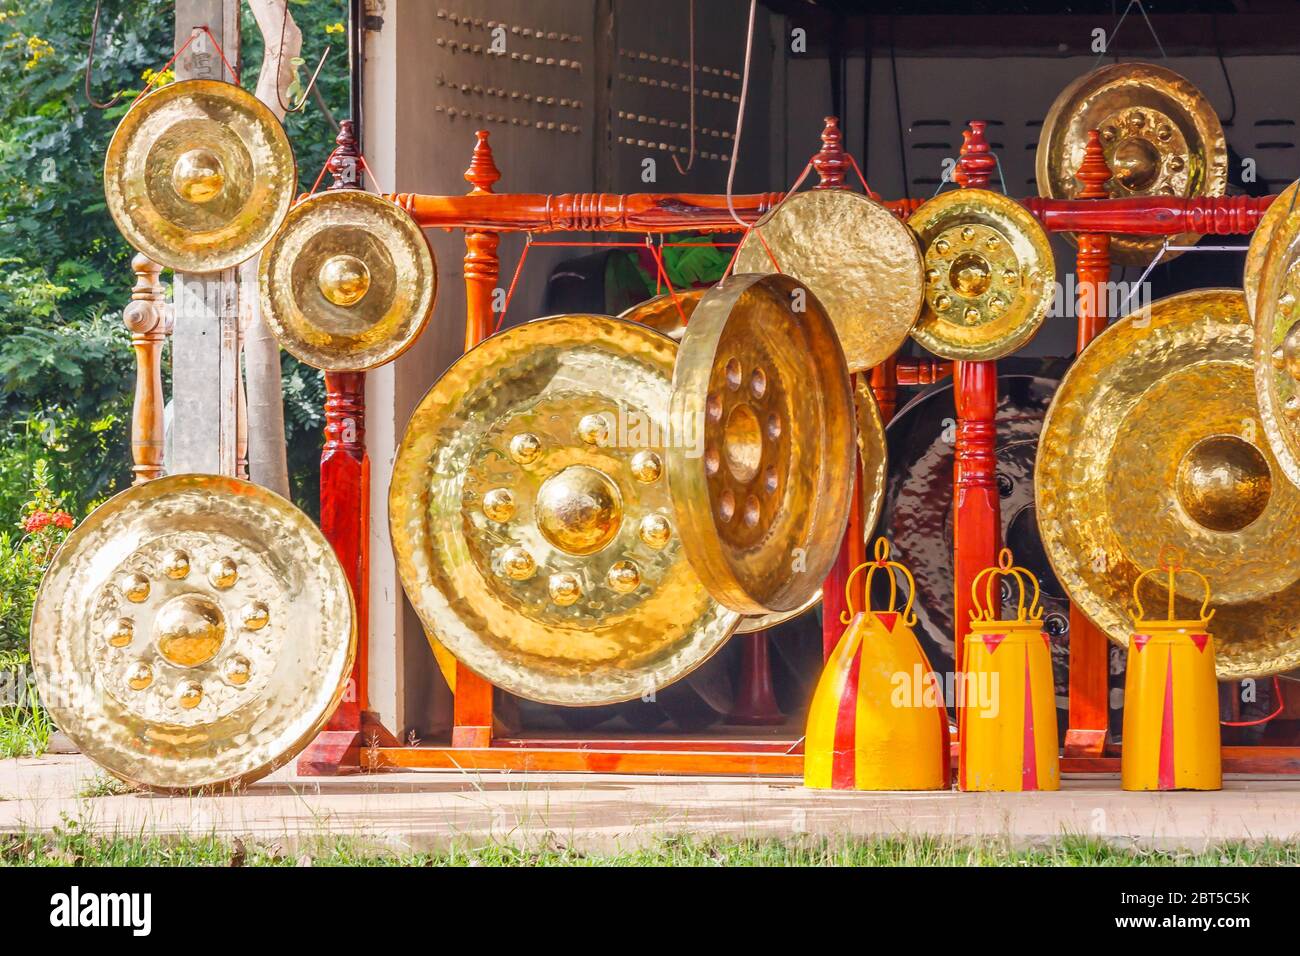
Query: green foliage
{"type": "Point", "coordinates": [66, 366]}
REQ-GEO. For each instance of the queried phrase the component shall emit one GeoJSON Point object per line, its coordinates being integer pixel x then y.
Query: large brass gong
{"type": "Point", "coordinates": [348, 283]}
{"type": "Point", "coordinates": [1154, 439]}
{"type": "Point", "coordinates": [195, 631]}
{"type": "Point", "coordinates": [1160, 136]}
{"type": "Point", "coordinates": [1262, 240]}
{"type": "Point", "coordinates": [1277, 341]}
{"type": "Point", "coordinates": [762, 489]}
{"type": "Point", "coordinates": [532, 521]}
{"type": "Point", "coordinates": [199, 175]}
{"type": "Point", "coordinates": [989, 274]}
{"type": "Point", "coordinates": [862, 263]}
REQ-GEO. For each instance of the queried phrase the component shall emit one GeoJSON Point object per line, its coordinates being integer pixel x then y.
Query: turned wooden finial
{"type": "Point", "coordinates": [147, 317]}
{"type": "Point", "coordinates": [482, 172]}
{"type": "Point", "coordinates": [976, 163]}
{"type": "Point", "coordinates": [830, 162]}
{"type": "Point", "coordinates": [146, 311]}
{"type": "Point", "coordinates": [344, 163]}
{"type": "Point", "coordinates": [1093, 171]}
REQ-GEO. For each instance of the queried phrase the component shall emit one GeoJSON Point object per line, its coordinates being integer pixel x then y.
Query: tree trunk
{"type": "Point", "coordinates": [267, 461]}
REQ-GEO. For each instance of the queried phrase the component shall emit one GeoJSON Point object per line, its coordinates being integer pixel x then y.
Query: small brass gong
{"type": "Point", "coordinates": [1160, 136]}
{"type": "Point", "coordinates": [859, 259]}
{"type": "Point", "coordinates": [1154, 439]}
{"type": "Point", "coordinates": [762, 494]}
{"type": "Point", "coordinates": [665, 314]}
{"type": "Point", "coordinates": [348, 283]}
{"type": "Point", "coordinates": [193, 632]}
{"type": "Point", "coordinates": [989, 274]}
{"type": "Point", "coordinates": [199, 175]}
{"type": "Point", "coordinates": [1282, 207]}
{"type": "Point", "coordinates": [532, 521]}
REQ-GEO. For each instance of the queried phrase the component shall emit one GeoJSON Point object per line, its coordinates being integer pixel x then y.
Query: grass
{"type": "Point", "coordinates": [73, 845]}
{"type": "Point", "coordinates": [105, 785]}
{"type": "Point", "coordinates": [25, 727]}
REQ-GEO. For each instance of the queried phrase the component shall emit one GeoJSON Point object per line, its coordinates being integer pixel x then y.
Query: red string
{"type": "Point", "coordinates": [175, 56]}
{"type": "Point", "coordinates": [1277, 689]}
{"type": "Point", "coordinates": [663, 275]}
{"type": "Point", "coordinates": [854, 163]}
{"type": "Point", "coordinates": [510, 293]}
{"type": "Point", "coordinates": [750, 228]}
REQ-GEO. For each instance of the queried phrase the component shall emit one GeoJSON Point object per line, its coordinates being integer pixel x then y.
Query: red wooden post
{"type": "Point", "coordinates": [977, 528]}
{"type": "Point", "coordinates": [1089, 648]}
{"type": "Point", "coordinates": [345, 518]}
{"type": "Point", "coordinates": [472, 709]}
{"type": "Point", "coordinates": [831, 164]}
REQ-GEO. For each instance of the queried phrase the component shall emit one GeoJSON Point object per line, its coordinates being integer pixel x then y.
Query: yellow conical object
{"type": "Point", "coordinates": [1171, 698]}
{"type": "Point", "coordinates": [1005, 697]}
{"type": "Point", "coordinates": [877, 719]}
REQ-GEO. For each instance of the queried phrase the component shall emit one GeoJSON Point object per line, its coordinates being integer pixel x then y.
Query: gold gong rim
{"type": "Point", "coordinates": [223, 244]}
{"type": "Point", "coordinates": [1111, 486]}
{"type": "Point", "coordinates": [995, 218]}
{"type": "Point", "coordinates": [756, 378]}
{"type": "Point", "coordinates": [403, 286]}
{"type": "Point", "coordinates": [1063, 137]}
{"type": "Point", "coordinates": [246, 739]}
{"type": "Point", "coordinates": [661, 312]}
{"type": "Point", "coordinates": [861, 261]}
{"type": "Point", "coordinates": [1276, 391]}
{"type": "Point", "coordinates": [580, 654]}
{"type": "Point", "coordinates": [1261, 242]}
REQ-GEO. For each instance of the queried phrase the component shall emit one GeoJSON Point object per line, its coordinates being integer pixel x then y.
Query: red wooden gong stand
{"type": "Point", "coordinates": [354, 739]}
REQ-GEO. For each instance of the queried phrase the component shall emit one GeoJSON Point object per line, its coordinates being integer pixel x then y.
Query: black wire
{"type": "Point", "coordinates": [898, 112]}
{"type": "Point", "coordinates": [1218, 51]}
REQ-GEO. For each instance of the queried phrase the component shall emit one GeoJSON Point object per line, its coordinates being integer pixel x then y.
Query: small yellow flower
{"type": "Point", "coordinates": [37, 50]}
{"type": "Point", "coordinates": [333, 28]}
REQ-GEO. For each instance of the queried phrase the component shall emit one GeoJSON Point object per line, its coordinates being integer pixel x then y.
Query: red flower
{"type": "Point", "coordinates": [63, 520]}
{"type": "Point", "coordinates": [36, 521]}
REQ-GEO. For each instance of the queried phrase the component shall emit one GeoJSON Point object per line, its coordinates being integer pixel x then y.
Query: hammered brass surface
{"type": "Point", "coordinates": [1160, 136]}
{"type": "Point", "coordinates": [861, 262]}
{"type": "Point", "coordinates": [349, 282]}
{"type": "Point", "coordinates": [989, 274]}
{"type": "Point", "coordinates": [199, 175]}
{"type": "Point", "coordinates": [873, 454]}
{"type": "Point", "coordinates": [193, 685]}
{"type": "Point", "coordinates": [762, 499]}
{"type": "Point", "coordinates": [1277, 342]}
{"type": "Point", "coordinates": [663, 314]}
{"type": "Point", "coordinates": [1153, 439]}
{"type": "Point", "coordinates": [579, 591]}
{"type": "Point", "coordinates": [1281, 209]}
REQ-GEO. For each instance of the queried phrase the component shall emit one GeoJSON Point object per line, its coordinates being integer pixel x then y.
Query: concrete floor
{"type": "Point", "coordinates": [603, 813]}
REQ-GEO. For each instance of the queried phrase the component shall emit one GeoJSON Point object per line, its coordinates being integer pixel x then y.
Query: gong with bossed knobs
{"type": "Point", "coordinates": [532, 520]}
{"type": "Point", "coordinates": [193, 632]}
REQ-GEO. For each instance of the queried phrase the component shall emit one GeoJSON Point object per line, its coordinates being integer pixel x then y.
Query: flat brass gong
{"type": "Point", "coordinates": [989, 274]}
{"type": "Point", "coordinates": [1260, 242]}
{"type": "Point", "coordinates": [663, 314]}
{"type": "Point", "coordinates": [532, 521]}
{"type": "Point", "coordinates": [1160, 136]}
{"type": "Point", "coordinates": [761, 486]}
{"type": "Point", "coordinates": [348, 283]}
{"type": "Point", "coordinates": [195, 631]}
{"type": "Point", "coordinates": [1154, 439]}
{"type": "Point", "coordinates": [1277, 340]}
{"type": "Point", "coordinates": [199, 175]}
{"type": "Point", "coordinates": [859, 259]}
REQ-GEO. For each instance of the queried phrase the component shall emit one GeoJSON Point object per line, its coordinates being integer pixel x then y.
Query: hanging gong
{"type": "Point", "coordinates": [199, 175]}
{"type": "Point", "coordinates": [1154, 439]}
{"type": "Point", "coordinates": [664, 314]}
{"type": "Point", "coordinates": [1277, 340]}
{"type": "Point", "coordinates": [1160, 136]}
{"type": "Point", "coordinates": [761, 482]}
{"type": "Point", "coordinates": [532, 521]}
{"type": "Point", "coordinates": [989, 274]}
{"type": "Point", "coordinates": [1260, 242]}
{"type": "Point", "coordinates": [348, 282]}
{"type": "Point", "coordinates": [860, 260]}
{"type": "Point", "coordinates": [194, 631]}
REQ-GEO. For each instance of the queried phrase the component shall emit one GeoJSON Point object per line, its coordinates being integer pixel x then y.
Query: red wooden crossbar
{"type": "Point", "coordinates": [484, 214]}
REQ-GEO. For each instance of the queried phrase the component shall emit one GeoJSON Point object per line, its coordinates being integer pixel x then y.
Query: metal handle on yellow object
{"type": "Point", "coordinates": [1171, 563]}
{"type": "Point", "coordinates": [988, 575]}
{"type": "Point", "coordinates": [871, 567]}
